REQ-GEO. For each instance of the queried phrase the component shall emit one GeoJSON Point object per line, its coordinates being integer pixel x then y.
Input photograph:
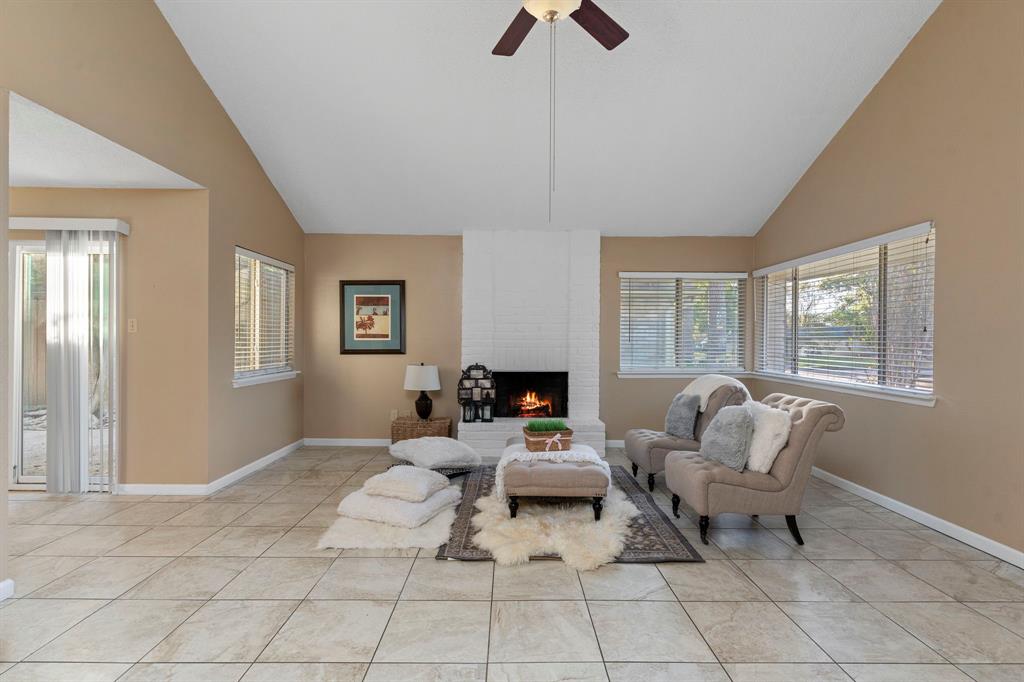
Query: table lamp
{"type": "Point", "coordinates": [422, 378]}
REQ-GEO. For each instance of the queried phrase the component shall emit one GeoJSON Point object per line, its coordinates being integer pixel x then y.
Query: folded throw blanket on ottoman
{"type": "Point", "coordinates": [518, 453]}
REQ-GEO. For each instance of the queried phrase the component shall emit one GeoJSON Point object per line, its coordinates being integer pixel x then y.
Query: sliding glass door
{"type": "Point", "coordinates": [37, 431]}
{"type": "Point", "coordinates": [29, 315]}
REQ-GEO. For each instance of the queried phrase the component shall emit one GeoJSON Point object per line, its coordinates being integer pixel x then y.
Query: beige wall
{"type": "Point", "coordinates": [641, 403]}
{"type": "Point", "coordinates": [940, 137]}
{"type": "Point", "coordinates": [164, 288]}
{"type": "Point", "coordinates": [351, 396]}
{"type": "Point", "coordinates": [117, 68]}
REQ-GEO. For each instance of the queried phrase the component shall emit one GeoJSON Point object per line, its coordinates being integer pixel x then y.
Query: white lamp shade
{"type": "Point", "coordinates": [422, 378]}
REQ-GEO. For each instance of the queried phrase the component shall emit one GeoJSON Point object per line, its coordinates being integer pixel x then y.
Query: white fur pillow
{"type": "Point", "coordinates": [411, 484]}
{"type": "Point", "coordinates": [360, 505]}
{"type": "Point", "coordinates": [432, 452]}
{"type": "Point", "coordinates": [771, 432]}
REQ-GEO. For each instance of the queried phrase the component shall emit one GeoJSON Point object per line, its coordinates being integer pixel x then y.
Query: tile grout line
{"type": "Point", "coordinates": [690, 619]}
{"type": "Point", "coordinates": [63, 632]}
{"type": "Point", "coordinates": [805, 633]}
{"type": "Point", "coordinates": [394, 607]}
{"type": "Point", "coordinates": [986, 616]}
{"type": "Point", "coordinates": [490, 623]}
{"type": "Point", "coordinates": [593, 626]}
{"type": "Point", "coordinates": [43, 586]}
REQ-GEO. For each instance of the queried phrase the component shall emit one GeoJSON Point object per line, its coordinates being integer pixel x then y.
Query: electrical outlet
{"type": "Point", "coordinates": [394, 415]}
{"type": "Point", "coordinates": [133, 325]}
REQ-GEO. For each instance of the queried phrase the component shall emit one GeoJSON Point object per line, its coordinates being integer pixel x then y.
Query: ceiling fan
{"type": "Point", "coordinates": [588, 15]}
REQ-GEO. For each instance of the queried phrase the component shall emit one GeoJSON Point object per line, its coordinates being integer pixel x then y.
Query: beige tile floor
{"type": "Point", "coordinates": [232, 587]}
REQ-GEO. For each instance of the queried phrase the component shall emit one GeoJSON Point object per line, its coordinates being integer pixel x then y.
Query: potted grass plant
{"type": "Point", "coordinates": [544, 435]}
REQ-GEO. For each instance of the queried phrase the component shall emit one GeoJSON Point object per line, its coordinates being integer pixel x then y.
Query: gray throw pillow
{"type": "Point", "coordinates": [682, 416]}
{"type": "Point", "coordinates": [727, 438]}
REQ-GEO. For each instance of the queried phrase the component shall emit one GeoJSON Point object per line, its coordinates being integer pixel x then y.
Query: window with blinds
{"type": "Point", "coordinates": [857, 315]}
{"type": "Point", "coordinates": [264, 315]}
{"type": "Point", "coordinates": [681, 322]}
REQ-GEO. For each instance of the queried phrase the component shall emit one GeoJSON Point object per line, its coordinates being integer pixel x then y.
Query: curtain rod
{"type": "Point", "coordinates": [98, 224]}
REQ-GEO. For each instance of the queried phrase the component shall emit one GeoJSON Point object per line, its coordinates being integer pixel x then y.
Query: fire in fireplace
{"type": "Point", "coordinates": [531, 394]}
{"type": "Point", "coordinates": [529, 405]}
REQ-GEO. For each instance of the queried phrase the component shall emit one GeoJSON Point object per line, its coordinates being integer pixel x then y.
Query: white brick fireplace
{"type": "Point", "coordinates": [531, 302]}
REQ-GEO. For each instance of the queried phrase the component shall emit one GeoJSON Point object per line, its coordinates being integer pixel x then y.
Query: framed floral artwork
{"type": "Point", "coordinates": [373, 316]}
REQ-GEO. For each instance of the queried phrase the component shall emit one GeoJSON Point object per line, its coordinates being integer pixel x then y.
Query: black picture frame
{"type": "Point", "coordinates": [350, 346]}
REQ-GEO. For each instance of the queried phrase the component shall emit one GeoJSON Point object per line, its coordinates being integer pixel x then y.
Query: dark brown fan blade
{"type": "Point", "coordinates": [515, 34]}
{"type": "Point", "coordinates": [598, 24]}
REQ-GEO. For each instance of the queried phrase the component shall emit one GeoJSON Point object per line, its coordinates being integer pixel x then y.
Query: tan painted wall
{"type": "Point", "coordinates": [351, 396]}
{"type": "Point", "coordinates": [164, 289]}
{"type": "Point", "coordinates": [641, 403]}
{"type": "Point", "coordinates": [117, 68]}
{"type": "Point", "coordinates": [942, 137]}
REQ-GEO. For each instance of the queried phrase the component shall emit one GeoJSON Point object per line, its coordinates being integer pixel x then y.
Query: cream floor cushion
{"type": "Point", "coordinates": [361, 505]}
{"type": "Point", "coordinates": [434, 452]}
{"type": "Point", "coordinates": [408, 483]}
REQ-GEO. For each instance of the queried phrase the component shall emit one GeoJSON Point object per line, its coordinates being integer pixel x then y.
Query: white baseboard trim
{"type": "Point", "coordinates": [213, 486]}
{"type": "Point", "coordinates": [339, 442]}
{"type": "Point", "coordinates": [968, 537]}
{"type": "Point", "coordinates": [6, 589]}
{"type": "Point", "coordinates": [200, 489]}
{"type": "Point", "coordinates": [615, 443]}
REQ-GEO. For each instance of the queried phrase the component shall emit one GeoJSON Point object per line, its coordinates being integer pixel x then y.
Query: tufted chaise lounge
{"type": "Point", "coordinates": [712, 488]}
{"type": "Point", "coordinates": [647, 448]}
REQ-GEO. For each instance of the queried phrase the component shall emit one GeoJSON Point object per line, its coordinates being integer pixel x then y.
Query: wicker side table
{"type": "Point", "coordinates": [405, 428]}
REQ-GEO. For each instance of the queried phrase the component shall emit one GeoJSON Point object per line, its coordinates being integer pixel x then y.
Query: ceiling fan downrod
{"type": "Point", "coordinates": [589, 16]}
{"type": "Point", "coordinates": [551, 122]}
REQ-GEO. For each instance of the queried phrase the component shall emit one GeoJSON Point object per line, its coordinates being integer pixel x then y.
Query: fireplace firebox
{"type": "Point", "coordinates": [531, 394]}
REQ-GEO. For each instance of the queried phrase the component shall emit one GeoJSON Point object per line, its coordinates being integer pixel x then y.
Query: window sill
{"type": "Point", "coordinates": [735, 373]}
{"type": "Point", "coordinates": [868, 392]}
{"type": "Point", "coordinates": [263, 378]}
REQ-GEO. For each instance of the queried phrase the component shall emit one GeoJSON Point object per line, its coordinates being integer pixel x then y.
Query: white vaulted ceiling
{"type": "Point", "coordinates": [393, 116]}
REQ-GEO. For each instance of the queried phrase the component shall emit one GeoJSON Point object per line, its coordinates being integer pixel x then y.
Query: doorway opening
{"type": "Point", "coordinates": [64, 362]}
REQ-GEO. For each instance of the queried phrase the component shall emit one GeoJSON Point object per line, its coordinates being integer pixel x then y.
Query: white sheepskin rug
{"type": "Point", "coordinates": [545, 529]}
{"type": "Point", "coordinates": [349, 533]}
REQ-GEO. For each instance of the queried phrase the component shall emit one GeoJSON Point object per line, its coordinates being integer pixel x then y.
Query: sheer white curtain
{"type": "Point", "coordinates": [81, 363]}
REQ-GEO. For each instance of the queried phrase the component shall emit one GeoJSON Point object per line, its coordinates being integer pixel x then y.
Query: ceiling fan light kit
{"type": "Point", "coordinates": [585, 13]}
{"type": "Point", "coordinates": [589, 16]}
{"type": "Point", "coordinates": [551, 10]}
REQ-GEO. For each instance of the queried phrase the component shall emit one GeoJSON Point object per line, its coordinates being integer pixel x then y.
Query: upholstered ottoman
{"type": "Point", "coordinates": [555, 479]}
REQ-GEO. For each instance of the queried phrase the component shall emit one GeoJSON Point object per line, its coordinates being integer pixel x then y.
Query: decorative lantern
{"type": "Point", "coordinates": [477, 394]}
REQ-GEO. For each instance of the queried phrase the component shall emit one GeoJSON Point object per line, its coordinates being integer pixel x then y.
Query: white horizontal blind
{"type": "Point", "coordinates": [685, 322]}
{"type": "Point", "coordinates": [861, 317]}
{"type": "Point", "coordinates": [245, 330]}
{"type": "Point", "coordinates": [264, 315]}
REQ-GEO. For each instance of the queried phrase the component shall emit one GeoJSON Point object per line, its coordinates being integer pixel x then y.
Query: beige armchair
{"type": "Point", "coordinates": [712, 488]}
{"type": "Point", "coordinates": [647, 448]}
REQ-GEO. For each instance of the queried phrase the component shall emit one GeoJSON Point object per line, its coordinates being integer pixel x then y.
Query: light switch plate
{"type": "Point", "coordinates": [133, 325]}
